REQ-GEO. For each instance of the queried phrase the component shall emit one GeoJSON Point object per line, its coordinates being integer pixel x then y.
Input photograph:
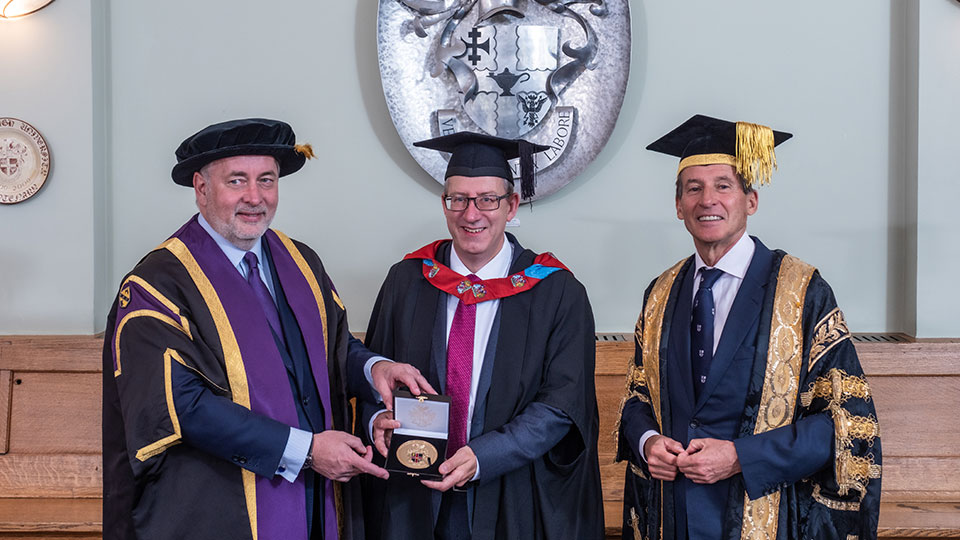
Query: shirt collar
{"type": "Point", "coordinates": [232, 252]}
{"type": "Point", "coordinates": [498, 267]}
{"type": "Point", "coordinates": [736, 261]}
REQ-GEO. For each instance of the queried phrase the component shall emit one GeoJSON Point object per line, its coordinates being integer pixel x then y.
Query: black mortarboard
{"type": "Point", "coordinates": [476, 154]}
{"type": "Point", "coordinates": [246, 137]}
{"type": "Point", "coordinates": [703, 140]}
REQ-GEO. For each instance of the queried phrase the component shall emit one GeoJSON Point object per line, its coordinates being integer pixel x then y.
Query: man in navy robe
{"type": "Point", "coordinates": [228, 365]}
{"type": "Point", "coordinates": [509, 335]}
{"type": "Point", "coordinates": [747, 413]}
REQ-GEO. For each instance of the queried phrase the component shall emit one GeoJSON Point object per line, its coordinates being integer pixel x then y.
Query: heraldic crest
{"type": "Point", "coordinates": [533, 69]}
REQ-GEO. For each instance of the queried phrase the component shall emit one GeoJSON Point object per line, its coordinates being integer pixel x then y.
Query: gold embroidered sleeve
{"type": "Point", "coordinates": [828, 333]}
{"type": "Point", "coordinates": [837, 388]}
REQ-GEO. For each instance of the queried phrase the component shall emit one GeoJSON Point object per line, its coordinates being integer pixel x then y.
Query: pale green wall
{"type": "Point", "coordinates": [833, 73]}
{"type": "Point", "coordinates": [46, 242]}
{"type": "Point", "coordinates": [938, 247]}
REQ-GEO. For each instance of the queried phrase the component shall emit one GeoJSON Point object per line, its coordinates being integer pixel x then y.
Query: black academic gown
{"type": "Point", "coordinates": [792, 461]}
{"type": "Point", "coordinates": [543, 353]}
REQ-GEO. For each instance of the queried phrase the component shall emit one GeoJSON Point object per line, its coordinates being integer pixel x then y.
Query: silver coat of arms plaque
{"type": "Point", "coordinates": [551, 72]}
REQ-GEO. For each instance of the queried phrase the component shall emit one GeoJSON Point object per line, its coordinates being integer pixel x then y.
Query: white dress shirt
{"type": "Point", "coordinates": [734, 264]}
{"type": "Point", "coordinates": [235, 255]}
{"type": "Point", "coordinates": [498, 267]}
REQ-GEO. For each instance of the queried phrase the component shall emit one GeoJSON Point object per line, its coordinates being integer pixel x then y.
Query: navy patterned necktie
{"type": "Point", "coordinates": [701, 328]}
{"type": "Point", "coordinates": [263, 295]}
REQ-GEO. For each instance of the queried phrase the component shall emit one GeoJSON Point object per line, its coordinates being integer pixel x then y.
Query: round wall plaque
{"type": "Point", "coordinates": [24, 161]}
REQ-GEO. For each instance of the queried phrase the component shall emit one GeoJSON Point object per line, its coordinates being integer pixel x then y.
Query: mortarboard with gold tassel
{"type": "Point", "coordinates": [703, 140]}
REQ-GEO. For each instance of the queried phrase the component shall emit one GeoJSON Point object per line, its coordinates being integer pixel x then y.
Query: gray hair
{"type": "Point", "coordinates": [507, 186]}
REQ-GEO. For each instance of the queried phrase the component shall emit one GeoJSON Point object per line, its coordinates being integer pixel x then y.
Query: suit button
{"type": "Point", "coordinates": [239, 459]}
{"type": "Point", "coordinates": [694, 423]}
{"type": "Point", "coordinates": [305, 401]}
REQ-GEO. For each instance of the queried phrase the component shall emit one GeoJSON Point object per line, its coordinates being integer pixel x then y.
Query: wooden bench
{"type": "Point", "coordinates": [50, 463]}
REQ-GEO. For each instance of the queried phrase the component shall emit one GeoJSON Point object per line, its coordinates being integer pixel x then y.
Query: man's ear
{"type": "Point", "coordinates": [200, 189]}
{"type": "Point", "coordinates": [514, 201]}
{"type": "Point", "coordinates": [753, 202]}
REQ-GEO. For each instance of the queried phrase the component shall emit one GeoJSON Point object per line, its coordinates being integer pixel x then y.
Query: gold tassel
{"type": "Point", "coordinates": [305, 149]}
{"type": "Point", "coordinates": [756, 159]}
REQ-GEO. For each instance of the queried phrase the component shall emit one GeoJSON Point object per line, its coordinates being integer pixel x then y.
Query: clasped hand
{"type": "Point", "coordinates": [340, 456]}
{"type": "Point", "coordinates": [703, 461]}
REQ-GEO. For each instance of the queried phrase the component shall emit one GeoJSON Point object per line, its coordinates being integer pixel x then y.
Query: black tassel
{"type": "Point", "coordinates": [527, 173]}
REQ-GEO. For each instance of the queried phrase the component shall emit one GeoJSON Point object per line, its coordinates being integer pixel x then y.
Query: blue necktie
{"type": "Point", "coordinates": [263, 295]}
{"type": "Point", "coordinates": [701, 328]}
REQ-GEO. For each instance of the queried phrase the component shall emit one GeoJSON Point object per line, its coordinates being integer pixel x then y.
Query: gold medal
{"type": "Point", "coordinates": [417, 454]}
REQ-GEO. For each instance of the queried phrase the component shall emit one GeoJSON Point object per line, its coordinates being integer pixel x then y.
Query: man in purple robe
{"type": "Point", "coordinates": [228, 366]}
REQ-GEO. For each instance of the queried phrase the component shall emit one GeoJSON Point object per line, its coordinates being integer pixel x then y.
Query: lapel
{"type": "Point", "coordinates": [430, 326]}
{"type": "Point", "coordinates": [743, 315]}
{"type": "Point", "coordinates": [679, 350]}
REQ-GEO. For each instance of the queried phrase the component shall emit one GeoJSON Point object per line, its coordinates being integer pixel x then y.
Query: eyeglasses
{"type": "Point", "coordinates": [459, 203]}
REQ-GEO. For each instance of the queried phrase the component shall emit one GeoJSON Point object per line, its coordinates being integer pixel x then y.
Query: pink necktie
{"type": "Point", "coordinates": [460, 371]}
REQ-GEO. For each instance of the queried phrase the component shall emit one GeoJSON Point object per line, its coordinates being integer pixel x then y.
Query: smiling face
{"type": "Point", "coordinates": [714, 208]}
{"type": "Point", "coordinates": [478, 234]}
{"type": "Point", "coordinates": [238, 197]}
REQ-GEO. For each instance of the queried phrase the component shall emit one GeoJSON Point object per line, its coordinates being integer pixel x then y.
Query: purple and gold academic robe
{"type": "Point", "coordinates": [785, 386]}
{"type": "Point", "coordinates": [185, 307]}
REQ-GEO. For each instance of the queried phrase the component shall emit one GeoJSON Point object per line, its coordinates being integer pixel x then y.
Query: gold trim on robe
{"type": "Point", "coordinates": [827, 334]}
{"type": "Point", "coordinates": [781, 383]}
{"type": "Point", "coordinates": [124, 299]}
{"type": "Point", "coordinates": [160, 446]}
{"type": "Point", "coordinates": [236, 372]}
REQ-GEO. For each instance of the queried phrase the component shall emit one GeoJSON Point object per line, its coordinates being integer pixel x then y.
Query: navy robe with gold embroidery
{"type": "Point", "coordinates": [785, 385]}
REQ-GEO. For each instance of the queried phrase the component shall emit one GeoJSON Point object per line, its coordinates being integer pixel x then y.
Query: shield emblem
{"type": "Point", "coordinates": [11, 159]}
{"type": "Point", "coordinates": [12, 155]}
{"type": "Point", "coordinates": [9, 166]}
{"type": "Point", "coordinates": [552, 73]}
{"type": "Point", "coordinates": [512, 65]}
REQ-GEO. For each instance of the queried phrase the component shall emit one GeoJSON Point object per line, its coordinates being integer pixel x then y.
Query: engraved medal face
{"type": "Point", "coordinates": [24, 161]}
{"type": "Point", "coordinates": [417, 454]}
{"type": "Point", "coordinates": [554, 73]}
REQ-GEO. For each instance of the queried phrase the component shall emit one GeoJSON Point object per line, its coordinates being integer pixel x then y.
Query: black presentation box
{"type": "Point", "coordinates": [419, 446]}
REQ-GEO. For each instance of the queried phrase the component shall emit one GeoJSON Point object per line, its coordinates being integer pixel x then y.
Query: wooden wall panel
{"type": "Point", "coordinates": [919, 416]}
{"type": "Point", "coordinates": [917, 358]}
{"type": "Point", "coordinates": [921, 479]}
{"type": "Point", "coordinates": [25, 516]}
{"type": "Point", "coordinates": [51, 353]}
{"type": "Point", "coordinates": [610, 391]}
{"type": "Point", "coordinates": [52, 476]}
{"type": "Point", "coordinates": [56, 413]}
